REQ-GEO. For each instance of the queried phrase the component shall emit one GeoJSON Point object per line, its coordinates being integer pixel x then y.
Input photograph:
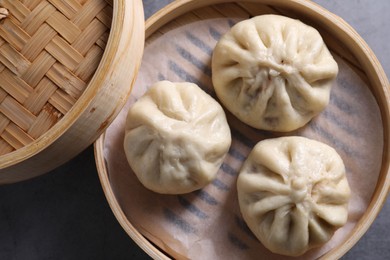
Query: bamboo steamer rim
{"type": "Point", "coordinates": [94, 86]}
{"type": "Point", "coordinates": [379, 86]}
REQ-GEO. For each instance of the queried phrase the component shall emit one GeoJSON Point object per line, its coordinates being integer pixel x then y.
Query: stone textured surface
{"type": "Point", "coordinates": [64, 214]}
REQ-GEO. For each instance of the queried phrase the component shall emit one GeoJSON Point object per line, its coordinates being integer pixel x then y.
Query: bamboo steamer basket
{"type": "Point", "coordinates": [66, 68]}
{"type": "Point", "coordinates": [356, 52]}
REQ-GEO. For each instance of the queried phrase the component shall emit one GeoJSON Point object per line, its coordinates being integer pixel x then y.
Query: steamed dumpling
{"type": "Point", "coordinates": [293, 193]}
{"type": "Point", "coordinates": [176, 138]}
{"type": "Point", "coordinates": [273, 72]}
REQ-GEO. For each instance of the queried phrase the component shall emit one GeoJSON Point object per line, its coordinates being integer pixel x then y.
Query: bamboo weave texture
{"type": "Point", "coordinates": [49, 51]}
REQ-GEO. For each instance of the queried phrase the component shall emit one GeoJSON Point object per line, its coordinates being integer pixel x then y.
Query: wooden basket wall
{"type": "Point", "coordinates": [50, 51]}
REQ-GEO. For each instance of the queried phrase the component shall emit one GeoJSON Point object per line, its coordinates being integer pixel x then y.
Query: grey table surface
{"type": "Point", "coordinates": [64, 214]}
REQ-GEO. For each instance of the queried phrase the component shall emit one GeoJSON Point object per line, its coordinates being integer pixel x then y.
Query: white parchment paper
{"type": "Point", "coordinates": [207, 224]}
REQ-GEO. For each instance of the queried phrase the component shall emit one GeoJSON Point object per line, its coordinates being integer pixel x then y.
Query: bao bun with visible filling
{"type": "Point", "coordinates": [273, 72]}
{"type": "Point", "coordinates": [293, 193]}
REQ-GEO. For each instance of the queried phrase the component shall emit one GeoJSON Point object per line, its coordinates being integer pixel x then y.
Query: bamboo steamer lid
{"type": "Point", "coordinates": [66, 68]}
{"type": "Point", "coordinates": [182, 12]}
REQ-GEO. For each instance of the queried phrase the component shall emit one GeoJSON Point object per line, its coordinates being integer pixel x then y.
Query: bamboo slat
{"type": "Point", "coordinates": [46, 46]}
{"type": "Point", "coordinates": [66, 67]}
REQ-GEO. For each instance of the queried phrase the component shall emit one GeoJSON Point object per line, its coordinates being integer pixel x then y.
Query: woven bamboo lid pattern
{"type": "Point", "coordinates": [49, 51]}
{"type": "Point", "coordinates": [66, 70]}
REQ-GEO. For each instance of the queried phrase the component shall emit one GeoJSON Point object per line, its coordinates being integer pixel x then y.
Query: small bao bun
{"type": "Point", "coordinates": [293, 193]}
{"type": "Point", "coordinates": [273, 72]}
{"type": "Point", "coordinates": [176, 138]}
